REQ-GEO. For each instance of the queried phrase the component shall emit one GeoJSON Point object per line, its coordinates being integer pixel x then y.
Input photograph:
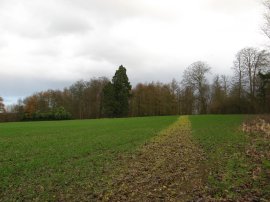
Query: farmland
{"type": "Point", "coordinates": [170, 158]}
{"type": "Point", "coordinates": [237, 163]}
{"type": "Point", "coordinates": [43, 160]}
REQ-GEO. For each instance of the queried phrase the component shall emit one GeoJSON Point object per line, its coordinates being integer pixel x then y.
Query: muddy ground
{"type": "Point", "coordinates": [169, 168]}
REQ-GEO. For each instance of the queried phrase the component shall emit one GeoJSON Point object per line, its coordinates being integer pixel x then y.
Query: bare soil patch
{"type": "Point", "coordinates": [169, 168]}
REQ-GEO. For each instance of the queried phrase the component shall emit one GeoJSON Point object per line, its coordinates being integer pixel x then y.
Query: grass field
{"type": "Point", "coordinates": [40, 160]}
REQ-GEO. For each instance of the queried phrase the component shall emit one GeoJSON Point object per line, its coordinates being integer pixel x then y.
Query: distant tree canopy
{"type": "Point", "coordinates": [247, 91]}
{"type": "Point", "coordinates": [81, 100]}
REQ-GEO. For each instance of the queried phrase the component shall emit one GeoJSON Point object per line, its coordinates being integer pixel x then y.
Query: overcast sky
{"type": "Point", "coordinates": [52, 43]}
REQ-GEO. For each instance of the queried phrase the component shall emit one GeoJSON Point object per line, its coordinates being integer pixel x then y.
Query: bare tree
{"type": "Point", "coordinates": [247, 65]}
{"type": "Point", "coordinates": [195, 78]}
{"type": "Point", "coordinates": [175, 90]}
{"type": "Point", "coordinates": [187, 100]}
{"type": "Point", "coordinates": [238, 69]}
{"type": "Point", "coordinates": [225, 83]}
{"type": "Point", "coordinates": [78, 98]}
{"type": "Point", "coordinates": [2, 106]}
{"type": "Point", "coordinates": [219, 94]}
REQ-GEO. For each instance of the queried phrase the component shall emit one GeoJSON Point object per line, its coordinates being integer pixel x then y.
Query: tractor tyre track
{"type": "Point", "coordinates": [168, 168]}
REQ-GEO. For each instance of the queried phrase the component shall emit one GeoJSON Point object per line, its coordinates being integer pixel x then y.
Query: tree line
{"type": "Point", "coordinates": [247, 91]}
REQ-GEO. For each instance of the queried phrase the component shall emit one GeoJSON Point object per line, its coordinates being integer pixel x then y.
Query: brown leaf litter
{"type": "Point", "coordinates": [259, 124]}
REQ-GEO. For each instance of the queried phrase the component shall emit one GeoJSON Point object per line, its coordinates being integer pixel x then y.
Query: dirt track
{"type": "Point", "coordinates": [169, 168]}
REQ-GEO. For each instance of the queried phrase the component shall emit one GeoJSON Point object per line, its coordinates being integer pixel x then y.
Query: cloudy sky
{"type": "Point", "coordinates": [52, 43]}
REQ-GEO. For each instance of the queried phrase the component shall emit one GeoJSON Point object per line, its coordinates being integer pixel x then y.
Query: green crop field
{"type": "Point", "coordinates": [223, 143]}
{"type": "Point", "coordinates": [238, 164]}
{"type": "Point", "coordinates": [39, 160]}
{"type": "Point", "coordinates": [75, 160]}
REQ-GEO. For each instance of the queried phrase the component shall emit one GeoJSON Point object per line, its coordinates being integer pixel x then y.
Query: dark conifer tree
{"type": "Point", "coordinates": [116, 95]}
{"type": "Point", "coordinates": [109, 102]}
{"type": "Point", "coordinates": [122, 90]}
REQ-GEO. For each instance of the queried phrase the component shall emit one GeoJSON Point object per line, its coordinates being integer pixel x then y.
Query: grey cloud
{"type": "Point", "coordinates": [45, 51]}
{"type": "Point", "coordinates": [52, 18]}
{"type": "Point", "coordinates": [109, 9]}
{"type": "Point", "coordinates": [112, 11]}
{"type": "Point", "coordinates": [116, 54]}
{"type": "Point", "coordinates": [41, 19]}
{"type": "Point", "coordinates": [20, 86]}
{"type": "Point", "coordinates": [2, 44]}
{"type": "Point", "coordinates": [67, 25]}
{"type": "Point", "coordinates": [232, 6]}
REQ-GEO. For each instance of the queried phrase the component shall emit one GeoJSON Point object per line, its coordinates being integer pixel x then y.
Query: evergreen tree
{"type": "Point", "coordinates": [109, 101]}
{"type": "Point", "coordinates": [116, 95]}
{"type": "Point", "coordinates": [122, 89]}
